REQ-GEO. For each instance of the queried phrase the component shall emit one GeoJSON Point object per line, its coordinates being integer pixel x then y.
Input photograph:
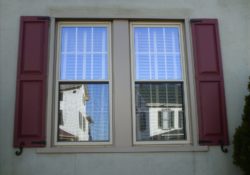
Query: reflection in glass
{"type": "Point", "coordinates": [157, 53]}
{"type": "Point", "coordinates": [84, 53]}
{"type": "Point", "coordinates": [159, 111]}
{"type": "Point", "coordinates": [83, 112]}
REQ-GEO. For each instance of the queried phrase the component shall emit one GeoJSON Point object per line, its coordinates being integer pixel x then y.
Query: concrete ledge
{"type": "Point", "coordinates": [110, 149]}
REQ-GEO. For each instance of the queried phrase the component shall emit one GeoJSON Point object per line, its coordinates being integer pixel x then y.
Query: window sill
{"type": "Point", "coordinates": [135, 149]}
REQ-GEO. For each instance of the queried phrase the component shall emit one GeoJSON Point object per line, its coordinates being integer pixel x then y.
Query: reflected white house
{"type": "Point", "coordinates": [164, 120]}
{"type": "Point", "coordinates": [159, 112]}
{"type": "Point", "coordinates": [74, 124]}
{"type": "Point", "coordinates": [160, 122]}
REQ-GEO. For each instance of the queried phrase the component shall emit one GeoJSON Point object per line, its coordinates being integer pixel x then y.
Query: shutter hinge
{"type": "Point", "coordinates": [223, 149]}
{"type": "Point", "coordinates": [20, 151]}
{"type": "Point", "coordinates": [42, 142]}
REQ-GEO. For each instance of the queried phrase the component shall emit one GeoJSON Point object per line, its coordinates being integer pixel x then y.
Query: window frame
{"type": "Point", "coordinates": [184, 80]}
{"type": "Point", "coordinates": [57, 80]}
{"type": "Point", "coordinates": [124, 145]}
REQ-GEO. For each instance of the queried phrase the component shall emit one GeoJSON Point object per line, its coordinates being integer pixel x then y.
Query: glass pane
{"type": "Point", "coordinates": [159, 112]}
{"type": "Point", "coordinates": [83, 112]}
{"type": "Point", "coordinates": [157, 53]}
{"type": "Point", "coordinates": [84, 53]}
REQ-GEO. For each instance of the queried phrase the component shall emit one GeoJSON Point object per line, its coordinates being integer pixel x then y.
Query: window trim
{"type": "Point", "coordinates": [60, 15]}
{"type": "Point", "coordinates": [57, 80]}
{"type": "Point", "coordinates": [184, 80]}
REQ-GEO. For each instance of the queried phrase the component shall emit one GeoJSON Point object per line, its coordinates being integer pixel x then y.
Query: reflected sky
{"type": "Point", "coordinates": [157, 53]}
{"type": "Point", "coordinates": [84, 53]}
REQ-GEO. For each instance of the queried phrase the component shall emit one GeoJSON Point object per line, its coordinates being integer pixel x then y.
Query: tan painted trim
{"type": "Point", "coordinates": [122, 114]}
{"type": "Point", "coordinates": [50, 84]}
{"type": "Point", "coordinates": [192, 105]}
{"type": "Point", "coordinates": [121, 85]}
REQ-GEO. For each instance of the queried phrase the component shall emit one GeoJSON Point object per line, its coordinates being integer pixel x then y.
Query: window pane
{"type": "Point", "coordinates": [157, 53]}
{"type": "Point", "coordinates": [84, 53]}
{"type": "Point", "coordinates": [85, 103]}
{"type": "Point", "coordinates": [158, 107]}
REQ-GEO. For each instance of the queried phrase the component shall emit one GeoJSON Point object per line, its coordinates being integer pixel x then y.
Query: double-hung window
{"type": "Point", "coordinates": [83, 83]}
{"type": "Point", "coordinates": [158, 83]}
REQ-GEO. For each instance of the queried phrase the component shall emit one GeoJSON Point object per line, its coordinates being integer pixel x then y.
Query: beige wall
{"type": "Point", "coordinates": [234, 20]}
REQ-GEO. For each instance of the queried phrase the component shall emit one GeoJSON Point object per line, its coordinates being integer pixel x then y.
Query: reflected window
{"type": "Point", "coordinates": [143, 124]}
{"type": "Point", "coordinates": [180, 119]}
{"type": "Point", "coordinates": [166, 119]}
{"type": "Point", "coordinates": [159, 119]}
{"type": "Point", "coordinates": [60, 117]}
{"type": "Point", "coordinates": [158, 82]}
{"type": "Point", "coordinates": [80, 121]}
{"type": "Point", "coordinates": [84, 83]}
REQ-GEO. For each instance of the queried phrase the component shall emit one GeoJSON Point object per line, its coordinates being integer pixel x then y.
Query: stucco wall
{"type": "Point", "coordinates": [234, 19]}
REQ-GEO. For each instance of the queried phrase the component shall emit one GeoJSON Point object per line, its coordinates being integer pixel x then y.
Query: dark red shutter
{"type": "Point", "coordinates": [209, 82]}
{"type": "Point", "coordinates": [31, 82]}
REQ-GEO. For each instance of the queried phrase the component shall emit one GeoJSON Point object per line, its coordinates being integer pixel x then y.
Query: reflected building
{"type": "Point", "coordinates": [160, 123]}
{"type": "Point", "coordinates": [74, 124]}
{"type": "Point", "coordinates": [83, 112]}
{"type": "Point", "coordinates": [159, 112]}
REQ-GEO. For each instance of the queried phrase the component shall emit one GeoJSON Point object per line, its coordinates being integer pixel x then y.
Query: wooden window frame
{"type": "Point", "coordinates": [83, 23]}
{"type": "Point", "coordinates": [122, 126]}
{"type": "Point", "coordinates": [179, 25]}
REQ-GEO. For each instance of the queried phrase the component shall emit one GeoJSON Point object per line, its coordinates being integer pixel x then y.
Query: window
{"type": "Point", "coordinates": [84, 83]}
{"type": "Point", "coordinates": [151, 105]}
{"type": "Point", "coordinates": [158, 82]}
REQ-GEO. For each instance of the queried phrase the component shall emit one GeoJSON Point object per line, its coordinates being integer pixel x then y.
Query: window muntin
{"type": "Point", "coordinates": [158, 82]}
{"type": "Point", "coordinates": [84, 83]}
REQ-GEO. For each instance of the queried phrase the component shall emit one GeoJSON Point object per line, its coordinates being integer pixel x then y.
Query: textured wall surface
{"type": "Point", "coordinates": [234, 19]}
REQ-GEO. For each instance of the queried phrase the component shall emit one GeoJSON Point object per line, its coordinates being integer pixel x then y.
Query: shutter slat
{"type": "Point", "coordinates": [31, 82]}
{"type": "Point", "coordinates": [209, 82]}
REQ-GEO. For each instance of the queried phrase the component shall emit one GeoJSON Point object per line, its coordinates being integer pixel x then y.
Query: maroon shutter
{"type": "Point", "coordinates": [209, 82]}
{"type": "Point", "coordinates": [31, 82]}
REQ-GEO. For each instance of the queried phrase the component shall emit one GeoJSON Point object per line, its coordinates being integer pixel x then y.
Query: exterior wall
{"type": "Point", "coordinates": [234, 20]}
